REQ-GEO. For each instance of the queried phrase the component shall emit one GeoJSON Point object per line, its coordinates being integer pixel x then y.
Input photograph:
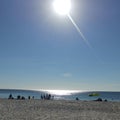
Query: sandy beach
{"type": "Point", "coordinates": [58, 110]}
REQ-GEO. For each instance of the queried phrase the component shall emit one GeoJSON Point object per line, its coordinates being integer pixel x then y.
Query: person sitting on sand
{"type": "Point", "coordinates": [77, 98]}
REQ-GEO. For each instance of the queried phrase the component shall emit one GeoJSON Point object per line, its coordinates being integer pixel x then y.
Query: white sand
{"type": "Point", "coordinates": [58, 110]}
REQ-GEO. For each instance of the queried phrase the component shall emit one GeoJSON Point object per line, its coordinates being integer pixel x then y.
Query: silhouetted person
{"type": "Point", "coordinates": [23, 98]}
{"type": "Point", "coordinates": [18, 97]}
{"type": "Point", "coordinates": [29, 97]}
{"type": "Point", "coordinates": [41, 97]}
{"type": "Point", "coordinates": [99, 99]}
{"type": "Point", "coordinates": [77, 98]}
{"type": "Point", "coordinates": [32, 97]}
{"type": "Point", "coordinates": [106, 100]}
{"type": "Point", "coordinates": [10, 96]}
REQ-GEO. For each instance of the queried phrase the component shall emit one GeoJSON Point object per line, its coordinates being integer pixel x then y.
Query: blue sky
{"type": "Point", "coordinates": [40, 49]}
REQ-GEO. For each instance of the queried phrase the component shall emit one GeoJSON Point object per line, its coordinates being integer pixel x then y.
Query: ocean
{"type": "Point", "coordinates": [61, 94]}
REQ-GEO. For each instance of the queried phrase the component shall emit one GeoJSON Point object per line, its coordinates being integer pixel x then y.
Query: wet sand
{"type": "Point", "coordinates": [58, 110]}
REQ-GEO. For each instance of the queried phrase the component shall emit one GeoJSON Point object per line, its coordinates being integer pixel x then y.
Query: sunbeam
{"type": "Point", "coordinates": [83, 37]}
{"type": "Point", "coordinates": [79, 31]}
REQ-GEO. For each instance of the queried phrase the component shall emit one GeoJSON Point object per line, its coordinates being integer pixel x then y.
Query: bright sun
{"type": "Point", "coordinates": [62, 7]}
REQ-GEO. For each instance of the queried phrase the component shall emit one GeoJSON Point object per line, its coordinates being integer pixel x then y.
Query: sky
{"type": "Point", "coordinates": [40, 49]}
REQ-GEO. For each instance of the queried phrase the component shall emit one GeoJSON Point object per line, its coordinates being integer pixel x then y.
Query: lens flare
{"type": "Point", "coordinates": [79, 31]}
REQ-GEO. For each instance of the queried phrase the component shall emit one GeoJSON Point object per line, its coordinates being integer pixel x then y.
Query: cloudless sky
{"type": "Point", "coordinates": [40, 49]}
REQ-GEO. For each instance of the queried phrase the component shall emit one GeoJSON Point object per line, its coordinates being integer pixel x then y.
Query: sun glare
{"type": "Point", "coordinates": [61, 92]}
{"type": "Point", "coordinates": [62, 7]}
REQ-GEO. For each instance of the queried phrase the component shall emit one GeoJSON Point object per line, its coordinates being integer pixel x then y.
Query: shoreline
{"type": "Point", "coordinates": [58, 110]}
{"type": "Point", "coordinates": [25, 94]}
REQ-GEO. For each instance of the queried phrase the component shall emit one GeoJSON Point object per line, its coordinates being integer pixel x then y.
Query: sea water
{"type": "Point", "coordinates": [64, 95]}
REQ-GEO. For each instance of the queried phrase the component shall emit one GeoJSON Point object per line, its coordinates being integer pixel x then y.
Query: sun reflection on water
{"type": "Point", "coordinates": [62, 92]}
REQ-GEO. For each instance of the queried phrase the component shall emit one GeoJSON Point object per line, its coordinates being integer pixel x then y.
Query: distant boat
{"type": "Point", "coordinates": [93, 94]}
